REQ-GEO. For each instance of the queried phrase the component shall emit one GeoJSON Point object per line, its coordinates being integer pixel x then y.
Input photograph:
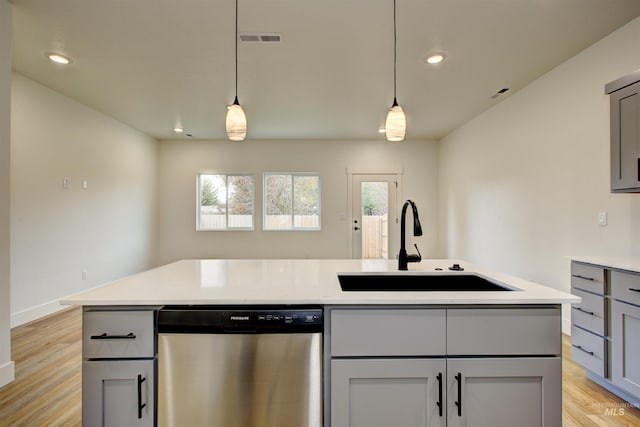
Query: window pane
{"type": "Point", "coordinates": [225, 202]}
{"type": "Point", "coordinates": [278, 202]}
{"type": "Point", "coordinates": [240, 189]}
{"type": "Point", "coordinates": [213, 195]}
{"type": "Point", "coordinates": [306, 201]}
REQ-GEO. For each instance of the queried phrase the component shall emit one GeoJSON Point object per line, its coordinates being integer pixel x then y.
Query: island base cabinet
{"type": "Point", "coordinates": [626, 346]}
{"type": "Point", "coordinates": [504, 392]}
{"type": "Point", "coordinates": [388, 392]}
{"type": "Point", "coordinates": [118, 393]}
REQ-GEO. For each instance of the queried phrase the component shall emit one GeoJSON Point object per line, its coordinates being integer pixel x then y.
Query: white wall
{"type": "Point", "coordinates": [6, 365]}
{"type": "Point", "coordinates": [522, 184]}
{"type": "Point", "coordinates": [181, 161]}
{"type": "Point", "coordinates": [106, 230]}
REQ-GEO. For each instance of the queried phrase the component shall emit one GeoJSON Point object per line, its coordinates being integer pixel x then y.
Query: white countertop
{"type": "Point", "coordinates": [620, 263]}
{"type": "Point", "coordinates": [218, 282]}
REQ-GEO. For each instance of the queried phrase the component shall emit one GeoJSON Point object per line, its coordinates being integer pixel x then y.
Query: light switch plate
{"type": "Point", "coordinates": [602, 218]}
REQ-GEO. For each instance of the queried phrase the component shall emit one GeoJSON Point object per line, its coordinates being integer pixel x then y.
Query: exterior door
{"type": "Point", "coordinates": [374, 219]}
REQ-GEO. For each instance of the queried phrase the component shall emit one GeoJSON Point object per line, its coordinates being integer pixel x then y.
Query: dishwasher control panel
{"type": "Point", "coordinates": [243, 319]}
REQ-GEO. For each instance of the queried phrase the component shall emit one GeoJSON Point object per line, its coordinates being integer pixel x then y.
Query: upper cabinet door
{"type": "Point", "coordinates": [625, 134]}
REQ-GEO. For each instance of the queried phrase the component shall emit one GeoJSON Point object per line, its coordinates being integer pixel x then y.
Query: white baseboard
{"type": "Point", "coordinates": [7, 373]}
{"type": "Point", "coordinates": [36, 312]}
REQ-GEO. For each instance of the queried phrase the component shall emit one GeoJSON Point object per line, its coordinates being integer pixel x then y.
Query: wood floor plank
{"type": "Point", "coordinates": [47, 389]}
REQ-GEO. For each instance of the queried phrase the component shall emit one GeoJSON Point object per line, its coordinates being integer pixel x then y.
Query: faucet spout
{"type": "Point", "coordinates": [403, 258]}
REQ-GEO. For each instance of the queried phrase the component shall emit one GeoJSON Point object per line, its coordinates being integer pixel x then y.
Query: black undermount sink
{"type": "Point", "coordinates": [382, 282]}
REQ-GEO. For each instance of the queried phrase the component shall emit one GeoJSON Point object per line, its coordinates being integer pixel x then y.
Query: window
{"type": "Point", "coordinates": [225, 202]}
{"type": "Point", "coordinates": [291, 201]}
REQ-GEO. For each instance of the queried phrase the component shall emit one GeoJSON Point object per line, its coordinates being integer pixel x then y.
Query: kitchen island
{"type": "Point", "coordinates": [441, 358]}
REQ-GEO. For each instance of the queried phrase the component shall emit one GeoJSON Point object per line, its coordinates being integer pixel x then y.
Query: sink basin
{"type": "Point", "coordinates": [382, 282]}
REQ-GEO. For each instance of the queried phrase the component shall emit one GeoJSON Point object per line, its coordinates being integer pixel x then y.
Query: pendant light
{"type": "Point", "coordinates": [396, 124]}
{"type": "Point", "coordinates": [236, 122]}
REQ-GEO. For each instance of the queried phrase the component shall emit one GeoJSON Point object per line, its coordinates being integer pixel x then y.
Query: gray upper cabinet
{"type": "Point", "coordinates": [625, 133]}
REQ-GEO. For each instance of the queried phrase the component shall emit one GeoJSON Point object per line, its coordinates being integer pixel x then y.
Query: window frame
{"type": "Point", "coordinates": [199, 226]}
{"type": "Point", "coordinates": [293, 226]}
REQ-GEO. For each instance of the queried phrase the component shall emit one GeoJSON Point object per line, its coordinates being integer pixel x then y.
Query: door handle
{"type": "Point", "coordinates": [591, 279]}
{"type": "Point", "coordinates": [459, 401]}
{"type": "Point", "coordinates": [590, 313]}
{"type": "Point", "coordinates": [140, 404]}
{"type": "Point", "coordinates": [439, 402]}
{"type": "Point", "coordinates": [579, 347]}
{"type": "Point", "coordinates": [104, 336]}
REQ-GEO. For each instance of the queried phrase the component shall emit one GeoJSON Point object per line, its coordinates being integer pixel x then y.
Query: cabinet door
{"type": "Point", "coordinates": [625, 347]}
{"type": "Point", "coordinates": [625, 139]}
{"type": "Point", "coordinates": [506, 392]}
{"type": "Point", "coordinates": [388, 392]}
{"type": "Point", "coordinates": [118, 393]}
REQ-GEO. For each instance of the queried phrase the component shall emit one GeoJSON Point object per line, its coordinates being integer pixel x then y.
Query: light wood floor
{"type": "Point", "coordinates": [46, 392]}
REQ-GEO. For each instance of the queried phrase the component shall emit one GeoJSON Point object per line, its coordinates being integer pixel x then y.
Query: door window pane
{"type": "Point", "coordinates": [375, 219]}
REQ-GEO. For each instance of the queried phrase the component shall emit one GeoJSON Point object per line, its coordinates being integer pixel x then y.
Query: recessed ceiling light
{"type": "Point", "coordinates": [435, 58]}
{"type": "Point", "coordinates": [58, 58]}
{"type": "Point", "coordinates": [178, 129]}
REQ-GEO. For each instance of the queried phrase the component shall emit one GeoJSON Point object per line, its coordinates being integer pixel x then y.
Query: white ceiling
{"type": "Point", "coordinates": [152, 63]}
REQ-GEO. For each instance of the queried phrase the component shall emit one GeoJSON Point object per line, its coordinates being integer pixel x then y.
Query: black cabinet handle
{"type": "Point", "coordinates": [634, 290]}
{"type": "Point", "coordinates": [459, 401]}
{"type": "Point", "coordinates": [439, 402]}
{"type": "Point", "coordinates": [104, 336]}
{"type": "Point", "coordinates": [579, 347]}
{"type": "Point", "coordinates": [140, 404]}
{"type": "Point", "coordinates": [583, 277]}
{"type": "Point", "coordinates": [590, 313]}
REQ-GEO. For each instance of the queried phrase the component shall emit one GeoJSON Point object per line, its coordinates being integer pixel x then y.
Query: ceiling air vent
{"type": "Point", "coordinates": [260, 37]}
{"type": "Point", "coordinates": [500, 92]}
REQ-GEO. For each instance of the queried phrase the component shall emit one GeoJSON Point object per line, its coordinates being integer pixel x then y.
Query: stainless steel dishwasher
{"type": "Point", "coordinates": [240, 366]}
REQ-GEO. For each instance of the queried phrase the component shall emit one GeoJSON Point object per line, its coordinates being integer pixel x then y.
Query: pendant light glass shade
{"type": "Point", "coordinates": [236, 122]}
{"type": "Point", "coordinates": [396, 124]}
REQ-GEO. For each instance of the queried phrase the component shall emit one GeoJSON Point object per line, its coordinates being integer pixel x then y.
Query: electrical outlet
{"type": "Point", "coordinates": [84, 274]}
{"type": "Point", "coordinates": [66, 183]}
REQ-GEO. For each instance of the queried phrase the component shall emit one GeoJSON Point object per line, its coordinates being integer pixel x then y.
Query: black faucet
{"type": "Point", "coordinates": [403, 258]}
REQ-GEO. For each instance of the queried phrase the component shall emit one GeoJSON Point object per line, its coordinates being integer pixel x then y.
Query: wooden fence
{"type": "Point", "coordinates": [375, 236]}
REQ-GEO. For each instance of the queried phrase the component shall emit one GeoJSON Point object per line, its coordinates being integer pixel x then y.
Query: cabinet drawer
{"type": "Point", "coordinates": [588, 350]}
{"type": "Point", "coordinates": [590, 313]}
{"type": "Point", "coordinates": [117, 334]}
{"type": "Point", "coordinates": [504, 331]}
{"type": "Point", "coordinates": [625, 287]}
{"type": "Point", "coordinates": [388, 332]}
{"type": "Point", "coordinates": [587, 277]}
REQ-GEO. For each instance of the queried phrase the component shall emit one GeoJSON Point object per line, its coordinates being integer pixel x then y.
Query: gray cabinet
{"type": "Point", "coordinates": [503, 392]}
{"type": "Point", "coordinates": [119, 366]}
{"type": "Point", "coordinates": [118, 393]}
{"type": "Point", "coordinates": [625, 332]}
{"type": "Point", "coordinates": [605, 327]}
{"type": "Point", "coordinates": [625, 133]}
{"type": "Point", "coordinates": [589, 325]}
{"type": "Point", "coordinates": [388, 392]}
{"type": "Point", "coordinates": [441, 357]}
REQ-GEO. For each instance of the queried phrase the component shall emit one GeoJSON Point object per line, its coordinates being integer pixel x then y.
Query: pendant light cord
{"type": "Point", "coordinates": [395, 42]}
{"type": "Point", "coordinates": [237, 51]}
